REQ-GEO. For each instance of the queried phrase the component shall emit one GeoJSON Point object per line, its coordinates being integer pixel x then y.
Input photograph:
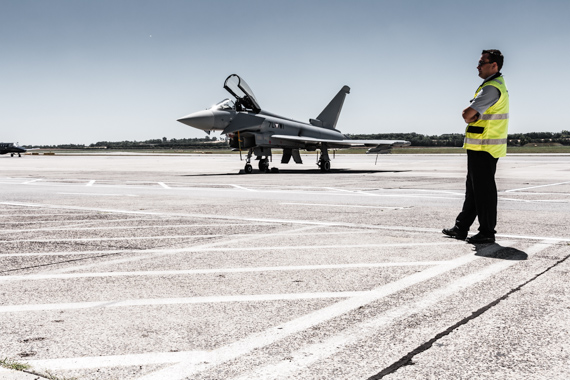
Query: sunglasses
{"type": "Point", "coordinates": [480, 63]}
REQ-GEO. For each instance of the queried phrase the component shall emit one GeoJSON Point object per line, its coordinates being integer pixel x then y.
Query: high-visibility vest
{"type": "Point", "coordinates": [489, 133]}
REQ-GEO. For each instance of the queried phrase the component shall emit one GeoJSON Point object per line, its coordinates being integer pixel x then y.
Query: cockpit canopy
{"type": "Point", "coordinates": [245, 100]}
{"type": "Point", "coordinates": [224, 105]}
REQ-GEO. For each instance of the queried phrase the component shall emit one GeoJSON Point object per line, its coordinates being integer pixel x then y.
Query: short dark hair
{"type": "Point", "coordinates": [495, 56]}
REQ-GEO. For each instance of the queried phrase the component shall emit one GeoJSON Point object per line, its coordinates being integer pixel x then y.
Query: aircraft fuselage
{"type": "Point", "coordinates": [12, 149]}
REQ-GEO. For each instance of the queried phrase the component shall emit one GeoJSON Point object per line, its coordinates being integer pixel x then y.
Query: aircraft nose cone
{"type": "Point", "coordinates": [202, 120]}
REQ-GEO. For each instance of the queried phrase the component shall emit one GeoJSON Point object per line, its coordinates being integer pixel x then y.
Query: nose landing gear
{"type": "Point", "coordinates": [263, 165]}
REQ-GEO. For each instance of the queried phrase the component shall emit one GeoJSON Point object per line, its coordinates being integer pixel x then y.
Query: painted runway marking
{"type": "Point", "coordinates": [118, 360]}
{"type": "Point", "coordinates": [237, 249]}
{"type": "Point", "coordinates": [535, 200]}
{"type": "Point", "coordinates": [152, 255]}
{"type": "Point", "coordinates": [101, 194]}
{"type": "Point", "coordinates": [195, 360]}
{"type": "Point", "coordinates": [164, 185]}
{"type": "Point", "coordinates": [536, 187]}
{"type": "Point", "coordinates": [251, 219]}
{"type": "Point", "coordinates": [181, 272]}
{"type": "Point", "coordinates": [355, 206]}
{"type": "Point", "coordinates": [112, 239]}
{"type": "Point", "coordinates": [90, 183]}
{"type": "Point", "coordinates": [179, 301]}
{"type": "Point", "coordinates": [242, 188]}
{"type": "Point", "coordinates": [337, 189]}
{"type": "Point", "coordinates": [32, 181]}
{"type": "Point", "coordinates": [222, 217]}
{"type": "Point", "coordinates": [101, 228]}
{"type": "Point", "coordinates": [258, 340]}
{"type": "Point", "coordinates": [312, 353]}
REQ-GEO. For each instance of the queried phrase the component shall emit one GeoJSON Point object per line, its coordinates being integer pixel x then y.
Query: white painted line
{"type": "Point", "coordinates": [154, 255]}
{"type": "Point", "coordinates": [90, 183]}
{"type": "Point", "coordinates": [405, 195]}
{"type": "Point", "coordinates": [64, 253]}
{"type": "Point", "coordinates": [177, 301]}
{"type": "Point", "coordinates": [164, 185]}
{"type": "Point", "coordinates": [337, 189]}
{"type": "Point", "coordinates": [183, 272]}
{"type": "Point", "coordinates": [242, 188]}
{"type": "Point", "coordinates": [535, 200]}
{"type": "Point", "coordinates": [536, 187]}
{"type": "Point", "coordinates": [523, 193]}
{"type": "Point", "coordinates": [251, 219]}
{"type": "Point", "coordinates": [222, 217]}
{"type": "Point", "coordinates": [170, 251]}
{"type": "Point", "coordinates": [111, 239]}
{"type": "Point", "coordinates": [508, 236]}
{"type": "Point", "coordinates": [451, 192]}
{"type": "Point", "coordinates": [53, 214]}
{"type": "Point", "coordinates": [312, 353]}
{"type": "Point", "coordinates": [355, 206]}
{"type": "Point", "coordinates": [32, 181]}
{"type": "Point", "coordinates": [118, 360]}
{"type": "Point", "coordinates": [101, 194]}
{"type": "Point", "coordinates": [100, 228]}
{"type": "Point", "coordinates": [297, 360]}
{"type": "Point", "coordinates": [186, 369]}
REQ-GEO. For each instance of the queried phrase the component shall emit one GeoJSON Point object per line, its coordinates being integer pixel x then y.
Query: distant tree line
{"type": "Point", "coordinates": [445, 140]}
{"type": "Point", "coordinates": [456, 139]}
{"type": "Point", "coordinates": [164, 143]}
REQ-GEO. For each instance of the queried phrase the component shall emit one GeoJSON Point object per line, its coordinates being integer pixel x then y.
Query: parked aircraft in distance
{"type": "Point", "coordinates": [251, 128]}
{"type": "Point", "coordinates": [12, 149]}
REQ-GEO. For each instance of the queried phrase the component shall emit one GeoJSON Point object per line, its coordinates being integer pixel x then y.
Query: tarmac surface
{"type": "Point", "coordinates": [177, 267]}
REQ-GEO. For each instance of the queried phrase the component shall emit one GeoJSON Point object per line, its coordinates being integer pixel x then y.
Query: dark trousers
{"type": "Point", "coordinates": [480, 193]}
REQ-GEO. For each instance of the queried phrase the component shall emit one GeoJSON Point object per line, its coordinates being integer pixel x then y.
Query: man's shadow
{"type": "Point", "coordinates": [496, 251]}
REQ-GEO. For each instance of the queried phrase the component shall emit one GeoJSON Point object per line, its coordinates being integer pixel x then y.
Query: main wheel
{"type": "Point", "coordinates": [325, 166]}
{"type": "Point", "coordinates": [263, 165]}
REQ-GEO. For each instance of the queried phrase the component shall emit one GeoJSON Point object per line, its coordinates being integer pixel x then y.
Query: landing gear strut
{"type": "Point", "coordinates": [248, 169]}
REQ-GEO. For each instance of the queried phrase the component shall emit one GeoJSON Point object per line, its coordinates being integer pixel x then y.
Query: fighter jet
{"type": "Point", "coordinates": [250, 128]}
{"type": "Point", "coordinates": [12, 149]}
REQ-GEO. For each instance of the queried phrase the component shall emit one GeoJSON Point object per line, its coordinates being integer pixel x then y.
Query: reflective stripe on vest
{"type": "Point", "coordinates": [485, 141]}
{"type": "Point", "coordinates": [497, 116]}
{"type": "Point", "coordinates": [489, 133]}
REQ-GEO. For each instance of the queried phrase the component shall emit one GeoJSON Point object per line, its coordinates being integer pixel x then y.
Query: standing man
{"type": "Point", "coordinates": [487, 121]}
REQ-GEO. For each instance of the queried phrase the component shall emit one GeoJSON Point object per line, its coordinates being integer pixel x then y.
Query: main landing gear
{"type": "Point", "coordinates": [324, 162]}
{"type": "Point", "coordinates": [263, 165]}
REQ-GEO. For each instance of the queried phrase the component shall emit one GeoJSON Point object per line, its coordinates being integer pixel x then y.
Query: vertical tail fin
{"type": "Point", "coordinates": [329, 116]}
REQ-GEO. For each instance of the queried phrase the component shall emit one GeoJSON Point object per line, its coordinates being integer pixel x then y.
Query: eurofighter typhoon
{"type": "Point", "coordinates": [256, 131]}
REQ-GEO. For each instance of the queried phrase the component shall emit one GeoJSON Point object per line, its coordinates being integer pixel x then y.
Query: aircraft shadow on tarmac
{"type": "Point", "coordinates": [292, 171]}
{"type": "Point", "coordinates": [496, 251]}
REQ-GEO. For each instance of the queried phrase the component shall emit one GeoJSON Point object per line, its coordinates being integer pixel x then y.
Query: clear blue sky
{"type": "Point", "coordinates": [77, 71]}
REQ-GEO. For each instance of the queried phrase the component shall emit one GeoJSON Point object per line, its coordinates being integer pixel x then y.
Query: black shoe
{"type": "Point", "coordinates": [481, 239]}
{"type": "Point", "coordinates": [455, 233]}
